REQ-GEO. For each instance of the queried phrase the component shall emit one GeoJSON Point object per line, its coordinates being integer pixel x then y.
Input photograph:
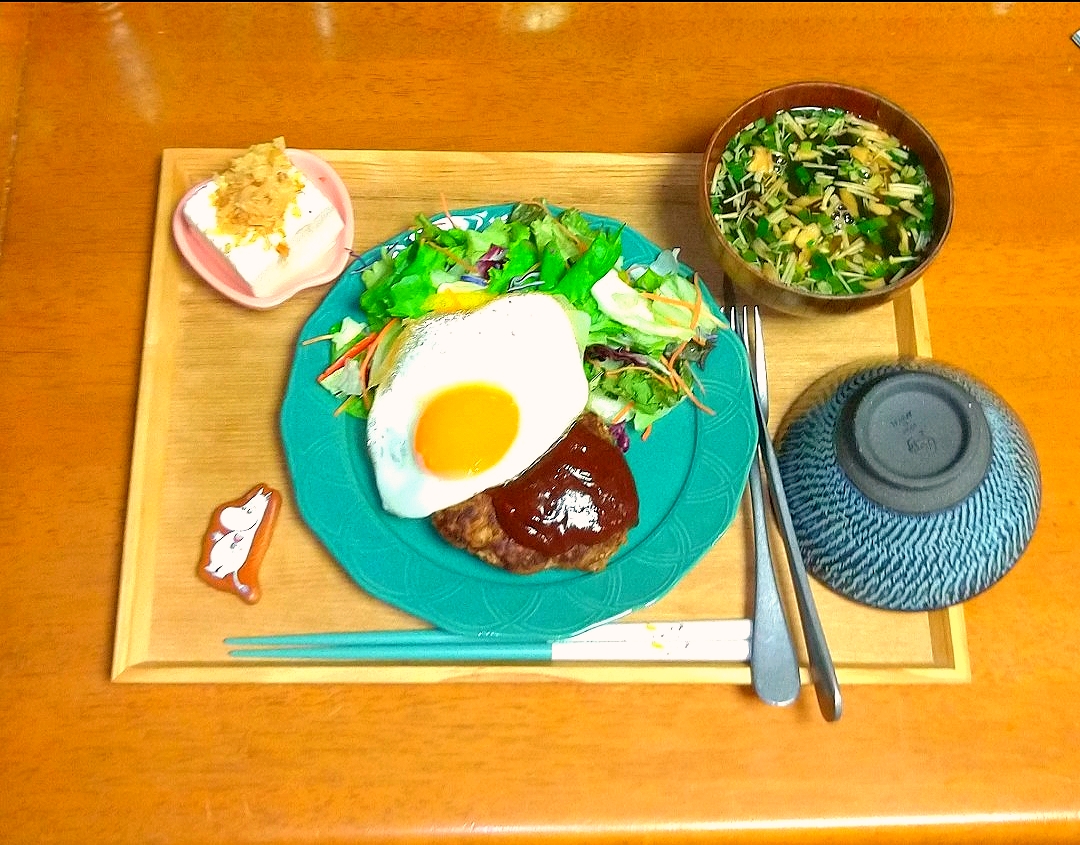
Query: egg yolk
{"type": "Point", "coordinates": [465, 430]}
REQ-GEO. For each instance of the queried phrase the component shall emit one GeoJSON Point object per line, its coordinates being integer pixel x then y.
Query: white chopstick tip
{"type": "Point", "coordinates": [656, 651]}
{"type": "Point", "coordinates": [701, 629]}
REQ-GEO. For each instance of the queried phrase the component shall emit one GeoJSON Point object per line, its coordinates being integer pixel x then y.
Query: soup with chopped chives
{"type": "Point", "coordinates": [820, 199]}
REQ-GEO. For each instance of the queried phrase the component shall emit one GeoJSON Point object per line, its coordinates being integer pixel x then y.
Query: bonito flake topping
{"type": "Point", "coordinates": [256, 192]}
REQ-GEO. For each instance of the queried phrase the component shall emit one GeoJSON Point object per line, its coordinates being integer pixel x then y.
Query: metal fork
{"type": "Point", "coordinates": [774, 667]}
{"type": "Point", "coordinates": [822, 671]}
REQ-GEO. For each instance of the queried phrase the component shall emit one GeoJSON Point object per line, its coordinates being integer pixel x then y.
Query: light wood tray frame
{"type": "Point", "coordinates": [206, 430]}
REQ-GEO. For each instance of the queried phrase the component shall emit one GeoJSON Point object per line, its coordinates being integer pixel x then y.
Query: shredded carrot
{"type": "Point", "coordinates": [352, 352]}
{"type": "Point", "coordinates": [695, 317]}
{"type": "Point", "coordinates": [675, 355]}
{"type": "Point", "coordinates": [694, 308]}
{"type": "Point", "coordinates": [690, 394]}
{"type": "Point", "coordinates": [677, 383]}
{"type": "Point", "coordinates": [456, 259]}
{"type": "Point", "coordinates": [623, 411]}
{"type": "Point", "coordinates": [582, 244]}
{"type": "Point", "coordinates": [344, 405]}
{"type": "Point", "coordinates": [670, 373]}
{"type": "Point", "coordinates": [664, 377]}
{"type": "Point", "coordinates": [667, 299]}
{"type": "Point", "coordinates": [446, 210]}
{"type": "Point", "coordinates": [614, 371]}
{"type": "Point", "coordinates": [365, 365]}
{"type": "Point", "coordinates": [645, 434]}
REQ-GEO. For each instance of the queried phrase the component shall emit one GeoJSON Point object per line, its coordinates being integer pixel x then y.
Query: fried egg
{"type": "Point", "coordinates": [472, 399]}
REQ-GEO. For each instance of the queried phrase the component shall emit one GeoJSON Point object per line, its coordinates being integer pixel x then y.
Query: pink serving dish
{"type": "Point", "coordinates": [217, 272]}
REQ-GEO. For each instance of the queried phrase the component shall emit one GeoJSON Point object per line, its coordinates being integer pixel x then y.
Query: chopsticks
{"type": "Point", "coordinates": [706, 640]}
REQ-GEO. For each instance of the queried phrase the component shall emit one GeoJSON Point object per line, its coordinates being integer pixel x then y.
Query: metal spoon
{"type": "Point", "coordinates": [774, 667]}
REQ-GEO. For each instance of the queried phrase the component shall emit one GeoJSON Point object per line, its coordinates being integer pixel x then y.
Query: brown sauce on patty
{"type": "Point", "coordinates": [580, 493]}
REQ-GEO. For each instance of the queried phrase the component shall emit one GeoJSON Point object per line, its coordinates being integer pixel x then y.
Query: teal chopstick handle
{"type": "Point", "coordinates": [425, 651]}
{"type": "Point", "coordinates": [424, 637]}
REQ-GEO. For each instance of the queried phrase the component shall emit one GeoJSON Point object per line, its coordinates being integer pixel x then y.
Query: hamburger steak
{"type": "Point", "coordinates": [572, 509]}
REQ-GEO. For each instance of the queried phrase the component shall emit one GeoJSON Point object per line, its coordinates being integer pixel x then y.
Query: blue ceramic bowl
{"type": "Point", "coordinates": [912, 485]}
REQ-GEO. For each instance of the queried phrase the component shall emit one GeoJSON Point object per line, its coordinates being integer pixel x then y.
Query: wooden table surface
{"type": "Point", "coordinates": [90, 95]}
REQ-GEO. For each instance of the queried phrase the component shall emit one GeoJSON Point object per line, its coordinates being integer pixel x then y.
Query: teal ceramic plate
{"type": "Point", "coordinates": [690, 475]}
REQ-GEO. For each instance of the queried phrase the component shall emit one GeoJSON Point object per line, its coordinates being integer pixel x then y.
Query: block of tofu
{"type": "Point", "coordinates": [265, 218]}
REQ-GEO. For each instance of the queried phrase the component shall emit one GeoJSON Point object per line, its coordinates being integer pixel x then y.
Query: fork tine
{"type": "Point", "coordinates": [755, 353]}
{"type": "Point", "coordinates": [739, 325]}
{"type": "Point", "coordinates": [760, 368]}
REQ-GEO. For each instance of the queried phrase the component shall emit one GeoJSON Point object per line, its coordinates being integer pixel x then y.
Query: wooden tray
{"type": "Point", "coordinates": [213, 376]}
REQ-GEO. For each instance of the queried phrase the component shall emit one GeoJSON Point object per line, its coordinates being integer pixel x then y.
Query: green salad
{"type": "Point", "coordinates": [820, 199]}
{"type": "Point", "coordinates": [643, 329]}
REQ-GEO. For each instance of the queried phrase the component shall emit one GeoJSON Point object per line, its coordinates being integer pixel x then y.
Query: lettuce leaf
{"type": "Point", "coordinates": [650, 313]}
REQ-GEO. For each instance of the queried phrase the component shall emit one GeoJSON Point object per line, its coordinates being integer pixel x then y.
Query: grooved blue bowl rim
{"type": "Point", "coordinates": [900, 561]}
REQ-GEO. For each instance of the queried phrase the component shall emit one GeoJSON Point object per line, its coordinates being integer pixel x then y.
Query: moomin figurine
{"type": "Point", "coordinates": [236, 541]}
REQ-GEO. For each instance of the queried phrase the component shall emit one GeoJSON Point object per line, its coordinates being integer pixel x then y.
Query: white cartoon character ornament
{"type": "Point", "coordinates": [236, 542]}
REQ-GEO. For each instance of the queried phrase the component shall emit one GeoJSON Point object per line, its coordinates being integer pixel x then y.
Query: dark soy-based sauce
{"type": "Point", "coordinates": [580, 492]}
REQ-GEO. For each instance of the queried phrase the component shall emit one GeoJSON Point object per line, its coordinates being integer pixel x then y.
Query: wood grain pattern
{"type": "Point", "coordinates": [204, 435]}
{"type": "Point", "coordinates": [14, 26]}
{"type": "Point", "coordinates": [91, 94]}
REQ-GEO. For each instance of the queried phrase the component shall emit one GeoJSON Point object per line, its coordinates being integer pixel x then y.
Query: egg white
{"type": "Point", "coordinates": [523, 343]}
